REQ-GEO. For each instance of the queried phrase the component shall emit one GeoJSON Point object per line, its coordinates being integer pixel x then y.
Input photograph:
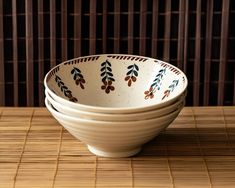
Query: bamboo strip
{"type": "Point", "coordinates": [25, 141]}
{"type": "Point", "coordinates": [104, 27]}
{"type": "Point", "coordinates": [52, 33]}
{"type": "Point", "coordinates": [40, 53]}
{"type": "Point", "coordinates": [2, 79]}
{"type": "Point", "coordinates": [181, 25]}
{"type": "Point", "coordinates": [15, 53]}
{"type": "Point", "coordinates": [167, 31]}
{"type": "Point", "coordinates": [197, 61]}
{"type": "Point", "coordinates": [64, 42]}
{"type": "Point", "coordinates": [154, 29]}
{"type": "Point", "coordinates": [92, 29]}
{"type": "Point", "coordinates": [77, 27]}
{"type": "Point", "coordinates": [130, 25]}
{"type": "Point", "coordinates": [223, 50]}
{"type": "Point", "coordinates": [116, 26]}
{"type": "Point", "coordinates": [143, 24]}
{"type": "Point", "coordinates": [207, 72]}
{"type": "Point", "coordinates": [29, 52]}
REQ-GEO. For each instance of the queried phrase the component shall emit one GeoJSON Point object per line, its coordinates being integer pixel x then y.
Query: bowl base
{"type": "Point", "coordinates": [112, 153]}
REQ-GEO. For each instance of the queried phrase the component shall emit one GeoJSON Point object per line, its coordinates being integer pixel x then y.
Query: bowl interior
{"type": "Point", "coordinates": [117, 81]}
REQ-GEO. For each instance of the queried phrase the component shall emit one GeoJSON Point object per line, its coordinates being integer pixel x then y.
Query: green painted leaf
{"type": "Point", "coordinates": [136, 73]}
{"type": "Point", "coordinates": [104, 78]}
{"type": "Point", "coordinates": [108, 63]}
{"type": "Point", "coordinates": [129, 72]}
{"type": "Point", "coordinates": [112, 79]}
{"type": "Point", "coordinates": [103, 64]}
{"type": "Point", "coordinates": [109, 69]}
{"type": "Point", "coordinates": [80, 75]}
{"type": "Point", "coordinates": [102, 69]}
{"type": "Point", "coordinates": [136, 67]}
{"type": "Point", "coordinates": [77, 70]}
{"type": "Point", "coordinates": [102, 74]}
{"type": "Point", "coordinates": [130, 67]}
{"type": "Point", "coordinates": [109, 73]}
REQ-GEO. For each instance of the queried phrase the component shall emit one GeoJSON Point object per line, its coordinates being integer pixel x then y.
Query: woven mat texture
{"type": "Point", "coordinates": [196, 150]}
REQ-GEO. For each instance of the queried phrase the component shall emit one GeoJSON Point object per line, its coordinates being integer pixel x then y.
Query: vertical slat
{"type": "Point", "coordinates": [29, 52]}
{"type": "Point", "coordinates": [167, 31]}
{"type": "Point", "coordinates": [77, 27]}
{"type": "Point", "coordinates": [180, 45]}
{"type": "Point", "coordinates": [2, 80]}
{"type": "Point", "coordinates": [209, 24]}
{"type": "Point", "coordinates": [143, 24]}
{"type": "Point", "coordinates": [154, 29]}
{"type": "Point", "coordinates": [116, 26]}
{"type": "Point", "coordinates": [64, 42]}
{"type": "Point", "coordinates": [40, 53]}
{"type": "Point", "coordinates": [52, 33]}
{"type": "Point", "coordinates": [130, 25]}
{"type": "Point", "coordinates": [92, 34]}
{"type": "Point", "coordinates": [186, 36]}
{"type": "Point", "coordinates": [234, 88]}
{"type": "Point", "coordinates": [104, 26]}
{"type": "Point", "coordinates": [223, 50]}
{"type": "Point", "coordinates": [196, 85]}
{"type": "Point", "coordinates": [15, 52]}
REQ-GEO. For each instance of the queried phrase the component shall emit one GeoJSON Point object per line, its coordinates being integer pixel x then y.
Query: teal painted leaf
{"type": "Point", "coordinates": [136, 73]}
{"type": "Point", "coordinates": [109, 69]}
{"type": "Point", "coordinates": [129, 72]}
{"type": "Point", "coordinates": [102, 74]}
{"type": "Point", "coordinates": [102, 69]}
{"type": "Point", "coordinates": [136, 67]}
{"type": "Point", "coordinates": [103, 64]}
{"type": "Point", "coordinates": [109, 73]}
{"type": "Point", "coordinates": [108, 63]}
{"type": "Point", "coordinates": [130, 67]}
{"type": "Point", "coordinates": [112, 79]}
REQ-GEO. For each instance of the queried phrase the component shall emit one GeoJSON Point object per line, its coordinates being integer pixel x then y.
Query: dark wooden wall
{"type": "Point", "coordinates": [198, 36]}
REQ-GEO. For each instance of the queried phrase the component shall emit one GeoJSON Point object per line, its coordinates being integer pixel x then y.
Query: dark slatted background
{"type": "Point", "coordinates": [197, 36]}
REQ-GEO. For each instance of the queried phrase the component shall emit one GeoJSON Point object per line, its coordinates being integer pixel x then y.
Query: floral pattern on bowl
{"type": "Point", "coordinates": [117, 81]}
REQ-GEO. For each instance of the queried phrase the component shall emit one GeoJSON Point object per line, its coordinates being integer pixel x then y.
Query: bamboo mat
{"type": "Point", "coordinates": [197, 150]}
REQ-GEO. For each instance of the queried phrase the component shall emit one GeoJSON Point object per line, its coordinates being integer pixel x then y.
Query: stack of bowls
{"type": "Point", "coordinates": [115, 103]}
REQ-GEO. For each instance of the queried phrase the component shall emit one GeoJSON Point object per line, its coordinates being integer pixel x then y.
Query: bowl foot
{"type": "Point", "coordinates": [102, 153]}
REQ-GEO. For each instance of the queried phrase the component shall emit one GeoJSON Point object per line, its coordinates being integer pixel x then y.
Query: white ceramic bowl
{"type": "Point", "coordinates": [113, 139]}
{"type": "Point", "coordinates": [114, 83]}
{"type": "Point", "coordinates": [115, 117]}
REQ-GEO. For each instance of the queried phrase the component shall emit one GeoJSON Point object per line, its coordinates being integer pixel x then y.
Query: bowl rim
{"type": "Point", "coordinates": [113, 109]}
{"type": "Point", "coordinates": [110, 123]}
{"type": "Point", "coordinates": [176, 104]}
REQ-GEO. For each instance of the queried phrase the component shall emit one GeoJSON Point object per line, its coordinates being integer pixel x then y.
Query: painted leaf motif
{"type": "Point", "coordinates": [108, 63]}
{"type": "Point", "coordinates": [176, 82]}
{"type": "Point", "coordinates": [127, 78]}
{"type": "Point", "coordinates": [77, 70]}
{"type": "Point", "coordinates": [109, 69]}
{"type": "Point", "coordinates": [103, 64]}
{"type": "Point", "coordinates": [112, 79]}
{"type": "Point", "coordinates": [72, 71]}
{"type": "Point", "coordinates": [102, 69]}
{"type": "Point", "coordinates": [129, 72]}
{"type": "Point", "coordinates": [104, 78]}
{"type": "Point", "coordinates": [135, 73]}
{"type": "Point", "coordinates": [136, 67]}
{"type": "Point", "coordinates": [130, 67]}
{"type": "Point", "coordinates": [102, 74]}
{"type": "Point", "coordinates": [80, 75]}
{"type": "Point", "coordinates": [109, 73]}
